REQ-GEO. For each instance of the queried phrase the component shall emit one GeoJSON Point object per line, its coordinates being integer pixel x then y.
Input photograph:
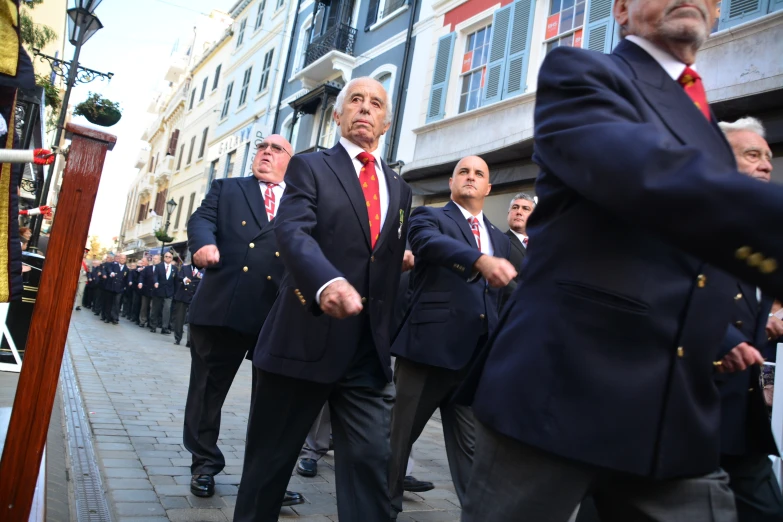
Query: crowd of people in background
{"type": "Point", "coordinates": [152, 292]}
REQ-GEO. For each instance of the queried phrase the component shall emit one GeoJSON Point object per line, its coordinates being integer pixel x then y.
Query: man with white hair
{"type": "Point", "coordinates": [341, 231]}
{"type": "Point", "coordinates": [751, 150]}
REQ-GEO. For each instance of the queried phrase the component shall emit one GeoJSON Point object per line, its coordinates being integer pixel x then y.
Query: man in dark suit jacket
{"type": "Point", "coordinates": [461, 260]}
{"type": "Point", "coordinates": [231, 236]}
{"type": "Point", "coordinates": [188, 279]}
{"type": "Point", "coordinates": [627, 318]}
{"type": "Point", "coordinates": [519, 210]}
{"type": "Point", "coordinates": [92, 284]}
{"type": "Point", "coordinates": [146, 285]}
{"type": "Point", "coordinates": [341, 232]}
{"type": "Point", "coordinates": [164, 276]}
{"type": "Point", "coordinates": [103, 295]}
{"type": "Point", "coordinates": [115, 283]}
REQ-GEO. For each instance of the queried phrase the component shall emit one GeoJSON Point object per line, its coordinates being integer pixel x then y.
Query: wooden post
{"type": "Point", "coordinates": [49, 326]}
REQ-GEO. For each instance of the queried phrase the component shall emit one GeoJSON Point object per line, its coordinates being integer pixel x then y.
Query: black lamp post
{"type": "Point", "coordinates": [82, 24]}
{"type": "Point", "coordinates": [170, 206]}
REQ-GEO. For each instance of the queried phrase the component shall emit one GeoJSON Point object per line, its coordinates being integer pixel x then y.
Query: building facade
{"type": "Point", "coordinates": [480, 70]}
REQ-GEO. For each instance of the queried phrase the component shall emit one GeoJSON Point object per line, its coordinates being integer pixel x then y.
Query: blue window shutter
{"type": "Point", "coordinates": [599, 26]}
{"type": "Point", "coordinates": [735, 12]}
{"type": "Point", "coordinates": [440, 78]}
{"type": "Point", "coordinates": [775, 5]}
{"type": "Point", "coordinates": [496, 65]}
{"type": "Point", "coordinates": [519, 48]}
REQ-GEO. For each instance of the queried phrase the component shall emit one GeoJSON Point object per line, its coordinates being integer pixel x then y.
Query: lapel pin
{"type": "Point", "coordinates": [402, 219]}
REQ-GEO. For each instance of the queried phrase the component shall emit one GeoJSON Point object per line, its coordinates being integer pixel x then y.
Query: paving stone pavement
{"type": "Point", "coordinates": [134, 383]}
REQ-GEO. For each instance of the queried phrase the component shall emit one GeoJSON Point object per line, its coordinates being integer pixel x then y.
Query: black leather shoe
{"type": "Point", "coordinates": [292, 498]}
{"type": "Point", "coordinates": [413, 485]}
{"type": "Point", "coordinates": [78, 308]}
{"type": "Point", "coordinates": [176, 341]}
{"type": "Point", "coordinates": [115, 322]}
{"type": "Point", "coordinates": [202, 485]}
{"type": "Point", "coordinates": [165, 332]}
{"type": "Point", "coordinates": [307, 467]}
{"type": "Point", "coordinates": [153, 330]}
{"type": "Point", "coordinates": [187, 345]}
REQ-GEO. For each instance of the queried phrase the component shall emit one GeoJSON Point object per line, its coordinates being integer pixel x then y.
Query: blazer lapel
{"type": "Point", "coordinates": [455, 214]}
{"type": "Point", "coordinates": [255, 201]}
{"type": "Point", "coordinates": [516, 244]}
{"type": "Point", "coordinates": [666, 97]}
{"type": "Point", "coordinates": [498, 239]}
{"type": "Point", "coordinates": [341, 164]}
{"type": "Point", "coordinates": [392, 222]}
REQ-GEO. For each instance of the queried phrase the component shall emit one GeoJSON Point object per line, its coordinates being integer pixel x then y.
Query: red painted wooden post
{"type": "Point", "coordinates": [49, 327]}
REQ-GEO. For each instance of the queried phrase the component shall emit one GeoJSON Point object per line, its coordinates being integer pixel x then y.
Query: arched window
{"type": "Point", "coordinates": [385, 80]}
{"type": "Point", "coordinates": [328, 136]}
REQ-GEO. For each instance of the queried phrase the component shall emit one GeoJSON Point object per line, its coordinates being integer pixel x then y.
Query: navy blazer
{"type": "Point", "coordinates": [184, 292]}
{"type": "Point", "coordinates": [450, 309]}
{"type": "Point", "coordinates": [238, 291]}
{"type": "Point", "coordinates": [166, 286]}
{"type": "Point", "coordinates": [116, 284]}
{"type": "Point", "coordinates": [517, 257]}
{"type": "Point", "coordinates": [95, 277]}
{"type": "Point", "coordinates": [323, 233]}
{"type": "Point", "coordinates": [612, 365]}
{"type": "Point", "coordinates": [103, 282]}
{"type": "Point", "coordinates": [147, 281]}
{"type": "Point", "coordinates": [745, 425]}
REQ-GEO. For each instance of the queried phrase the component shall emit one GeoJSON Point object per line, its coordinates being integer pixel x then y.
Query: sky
{"type": "Point", "coordinates": [135, 44]}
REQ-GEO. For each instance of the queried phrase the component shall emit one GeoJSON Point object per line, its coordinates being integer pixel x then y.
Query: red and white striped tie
{"type": "Point", "coordinates": [474, 226]}
{"type": "Point", "coordinates": [269, 201]}
{"type": "Point", "coordinates": [524, 242]}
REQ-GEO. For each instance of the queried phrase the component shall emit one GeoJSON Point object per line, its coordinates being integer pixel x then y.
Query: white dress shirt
{"type": "Point", "coordinates": [168, 270]}
{"type": "Point", "coordinates": [522, 237]}
{"type": "Point", "coordinates": [669, 63]}
{"type": "Point", "coordinates": [276, 190]}
{"type": "Point", "coordinates": [486, 243]}
{"type": "Point", "coordinates": [353, 151]}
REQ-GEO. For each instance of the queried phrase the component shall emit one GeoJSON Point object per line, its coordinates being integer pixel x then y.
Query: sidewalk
{"type": "Point", "coordinates": [133, 384]}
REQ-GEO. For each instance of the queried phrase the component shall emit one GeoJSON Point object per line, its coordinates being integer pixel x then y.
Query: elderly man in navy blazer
{"type": "Point", "coordinates": [341, 229]}
{"type": "Point", "coordinates": [461, 261]}
{"type": "Point", "coordinates": [164, 277]}
{"type": "Point", "coordinates": [605, 384]}
{"type": "Point", "coordinates": [115, 283]}
{"type": "Point", "coordinates": [231, 238]}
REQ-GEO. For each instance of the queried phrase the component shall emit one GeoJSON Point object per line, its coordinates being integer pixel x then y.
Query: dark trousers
{"type": "Point", "coordinates": [111, 306]}
{"type": "Point", "coordinates": [756, 489]}
{"type": "Point", "coordinates": [97, 302]}
{"type": "Point", "coordinates": [160, 315]}
{"type": "Point", "coordinates": [216, 353]}
{"type": "Point", "coordinates": [421, 389]}
{"type": "Point", "coordinates": [144, 311]}
{"type": "Point", "coordinates": [178, 318]}
{"type": "Point", "coordinates": [281, 413]}
{"type": "Point", "coordinates": [127, 299]}
{"type": "Point", "coordinates": [87, 297]}
{"type": "Point", "coordinates": [135, 307]}
{"type": "Point", "coordinates": [514, 481]}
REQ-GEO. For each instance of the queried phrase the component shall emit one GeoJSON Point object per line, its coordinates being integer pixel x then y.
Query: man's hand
{"type": "Point", "coordinates": [774, 328]}
{"type": "Point", "coordinates": [186, 281]}
{"type": "Point", "coordinates": [496, 270]}
{"type": "Point", "coordinates": [740, 358]}
{"type": "Point", "coordinates": [112, 274]}
{"type": "Point", "coordinates": [407, 261]}
{"type": "Point", "coordinates": [207, 255]}
{"type": "Point", "coordinates": [341, 300]}
{"type": "Point", "coordinates": [156, 285]}
{"type": "Point", "coordinates": [140, 286]}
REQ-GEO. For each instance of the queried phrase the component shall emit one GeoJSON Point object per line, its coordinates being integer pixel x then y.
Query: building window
{"type": "Point", "coordinates": [190, 206]}
{"type": "Point", "coordinates": [279, 4]}
{"type": "Point", "coordinates": [245, 84]}
{"type": "Point", "coordinates": [203, 143]}
{"type": "Point", "coordinates": [305, 43]}
{"type": "Point", "coordinates": [565, 24]}
{"type": "Point", "coordinates": [152, 162]}
{"type": "Point", "coordinates": [192, 99]}
{"type": "Point", "coordinates": [474, 68]}
{"type": "Point", "coordinates": [192, 146]}
{"type": "Point", "coordinates": [379, 9]}
{"type": "Point", "coordinates": [244, 159]}
{"type": "Point", "coordinates": [328, 135]}
{"type": "Point", "coordinates": [229, 164]}
{"type": "Point", "coordinates": [385, 80]}
{"type": "Point", "coordinates": [265, 71]}
{"type": "Point", "coordinates": [260, 14]}
{"type": "Point", "coordinates": [160, 201]}
{"type": "Point", "coordinates": [179, 212]}
{"type": "Point", "coordinates": [217, 78]}
{"type": "Point", "coordinates": [212, 172]}
{"type": "Point", "coordinates": [181, 155]}
{"type": "Point", "coordinates": [227, 101]}
{"type": "Point", "coordinates": [203, 89]}
{"type": "Point", "coordinates": [241, 33]}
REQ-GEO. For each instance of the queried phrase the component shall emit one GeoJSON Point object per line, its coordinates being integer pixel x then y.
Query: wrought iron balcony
{"type": "Point", "coordinates": [341, 38]}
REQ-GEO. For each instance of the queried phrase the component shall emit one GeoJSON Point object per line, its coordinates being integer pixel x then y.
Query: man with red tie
{"type": "Point", "coordinates": [599, 378]}
{"type": "Point", "coordinates": [232, 242]}
{"type": "Point", "coordinates": [341, 230]}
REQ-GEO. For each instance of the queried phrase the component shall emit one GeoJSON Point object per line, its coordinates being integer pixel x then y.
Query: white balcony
{"type": "Point", "coordinates": [145, 230]}
{"type": "Point", "coordinates": [177, 66]}
{"type": "Point", "coordinates": [164, 170]}
{"type": "Point", "coordinates": [143, 159]}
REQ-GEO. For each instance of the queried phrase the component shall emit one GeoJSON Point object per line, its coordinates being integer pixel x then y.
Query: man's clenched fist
{"type": "Point", "coordinates": [207, 255]}
{"type": "Point", "coordinates": [497, 271]}
{"type": "Point", "coordinates": [341, 300]}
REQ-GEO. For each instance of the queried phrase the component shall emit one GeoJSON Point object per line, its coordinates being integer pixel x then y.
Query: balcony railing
{"type": "Point", "coordinates": [341, 38]}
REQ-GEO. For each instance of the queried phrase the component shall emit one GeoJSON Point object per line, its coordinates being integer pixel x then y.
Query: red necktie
{"type": "Point", "coordinates": [269, 201]}
{"type": "Point", "coordinates": [524, 242]}
{"type": "Point", "coordinates": [474, 226]}
{"type": "Point", "coordinates": [693, 86]}
{"type": "Point", "coordinates": [369, 182]}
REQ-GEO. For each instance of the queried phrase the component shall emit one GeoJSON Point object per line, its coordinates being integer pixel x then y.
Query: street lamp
{"type": "Point", "coordinates": [82, 24]}
{"type": "Point", "coordinates": [169, 209]}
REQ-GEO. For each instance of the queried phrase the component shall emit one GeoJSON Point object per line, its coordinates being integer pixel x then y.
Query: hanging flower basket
{"type": "Point", "coordinates": [99, 110]}
{"type": "Point", "coordinates": [161, 235]}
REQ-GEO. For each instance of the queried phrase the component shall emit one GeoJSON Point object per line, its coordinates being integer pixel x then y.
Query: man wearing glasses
{"type": "Point", "coordinates": [231, 237]}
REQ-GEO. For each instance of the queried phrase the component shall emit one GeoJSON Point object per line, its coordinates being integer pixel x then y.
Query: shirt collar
{"type": "Point", "coordinates": [521, 237]}
{"type": "Point", "coordinates": [669, 63]}
{"type": "Point", "coordinates": [281, 184]}
{"type": "Point", "coordinates": [468, 215]}
{"type": "Point", "coordinates": [354, 150]}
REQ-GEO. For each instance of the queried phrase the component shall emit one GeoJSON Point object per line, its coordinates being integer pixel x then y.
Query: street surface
{"type": "Point", "coordinates": [133, 384]}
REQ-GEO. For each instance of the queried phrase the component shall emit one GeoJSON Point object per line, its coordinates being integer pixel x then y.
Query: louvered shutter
{"type": "Point", "coordinates": [735, 12]}
{"type": "Point", "coordinates": [599, 26]}
{"type": "Point", "coordinates": [496, 65]}
{"type": "Point", "coordinates": [172, 150]}
{"type": "Point", "coordinates": [518, 48]}
{"type": "Point", "coordinates": [436, 108]}
{"type": "Point", "coordinates": [775, 5]}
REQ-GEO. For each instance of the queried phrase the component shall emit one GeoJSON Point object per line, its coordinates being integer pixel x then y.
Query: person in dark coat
{"type": "Point", "coordinates": [164, 277]}
{"type": "Point", "coordinates": [127, 294]}
{"type": "Point", "coordinates": [100, 310]}
{"type": "Point", "coordinates": [136, 301]}
{"type": "Point", "coordinates": [187, 282]}
{"type": "Point", "coordinates": [519, 210]}
{"type": "Point", "coordinates": [114, 288]}
{"type": "Point", "coordinates": [146, 286]}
